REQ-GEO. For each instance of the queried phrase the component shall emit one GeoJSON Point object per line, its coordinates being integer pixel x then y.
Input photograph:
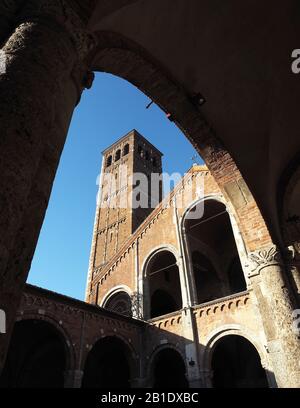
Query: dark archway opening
{"type": "Point", "coordinates": [169, 370]}
{"type": "Point", "coordinates": [107, 365]}
{"type": "Point", "coordinates": [236, 364]}
{"type": "Point", "coordinates": [289, 201]}
{"type": "Point", "coordinates": [216, 265]}
{"type": "Point", "coordinates": [291, 215]}
{"type": "Point", "coordinates": [236, 279]}
{"type": "Point", "coordinates": [208, 285]}
{"type": "Point", "coordinates": [162, 303]}
{"type": "Point", "coordinates": [120, 303]}
{"type": "Point", "coordinates": [164, 284]}
{"type": "Point", "coordinates": [36, 357]}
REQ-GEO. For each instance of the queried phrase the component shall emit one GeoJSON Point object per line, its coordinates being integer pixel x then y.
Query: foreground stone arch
{"type": "Point", "coordinates": [35, 116]}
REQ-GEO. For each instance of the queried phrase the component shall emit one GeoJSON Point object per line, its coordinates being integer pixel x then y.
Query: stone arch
{"type": "Point", "coordinates": [182, 372]}
{"type": "Point", "coordinates": [156, 250]}
{"type": "Point", "coordinates": [114, 290]}
{"type": "Point", "coordinates": [64, 333]}
{"type": "Point", "coordinates": [119, 300]}
{"type": "Point", "coordinates": [122, 57]}
{"type": "Point", "coordinates": [216, 335]}
{"type": "Point", "coordinates": [40, 355]}
{"type": "Point", "coordinates": [121, 348]}
{"type": "Point", "coordinates": [220, 283]}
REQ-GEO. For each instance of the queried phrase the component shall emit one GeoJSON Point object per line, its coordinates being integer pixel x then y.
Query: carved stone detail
{"type": "Point", "coordinates": [262, 258]}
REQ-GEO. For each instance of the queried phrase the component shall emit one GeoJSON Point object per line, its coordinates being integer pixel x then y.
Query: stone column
{"type": "Point", "coordinates": [268, 280]}
{"type": "Point", "coordinates": [44, 77]}
{"type": "Point", "coordinates": [73, 379]}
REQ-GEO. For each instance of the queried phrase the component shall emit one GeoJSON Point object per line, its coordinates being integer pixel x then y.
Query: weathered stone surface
{"type": "Point", "coordinates": [35, 115]}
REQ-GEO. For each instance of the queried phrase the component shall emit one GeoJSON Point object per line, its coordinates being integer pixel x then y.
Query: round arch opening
{"type": "Point", "coordinates": [169, 370]}
{"type": "Point", "coordinates": [119, 302]}
{"type": "Point", "coordinates": [162, 275]}
{"type": "Point", "coordinates": [236, 363]}
{"type": "Point", "coordinates": [37, 357]}
{"type": "Point", "coordinates": [109, 365]}
{"type": "Point", "coordinates": [214, 258]}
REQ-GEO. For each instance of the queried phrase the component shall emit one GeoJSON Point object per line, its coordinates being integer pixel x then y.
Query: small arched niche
{"type": "Point", "coordinates": [236, 364]}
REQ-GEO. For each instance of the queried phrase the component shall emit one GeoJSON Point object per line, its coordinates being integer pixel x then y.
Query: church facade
{"type": "Point", "coordinates": [171, 296]}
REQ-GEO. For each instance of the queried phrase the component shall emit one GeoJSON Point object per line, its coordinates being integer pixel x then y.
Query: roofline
{"type": "Point", "coordinates": [79, 303]}
{"type": "Point", "coordinates": [134, 131]}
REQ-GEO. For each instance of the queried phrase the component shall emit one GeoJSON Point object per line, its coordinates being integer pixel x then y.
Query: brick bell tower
{"type": "Point", "coordinates": [125, 197]}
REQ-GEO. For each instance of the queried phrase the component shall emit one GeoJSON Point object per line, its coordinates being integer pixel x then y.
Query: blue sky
{"type": "Point", "coordinates": [108, 111]}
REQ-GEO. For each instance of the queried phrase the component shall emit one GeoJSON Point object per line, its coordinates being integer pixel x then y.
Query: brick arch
{"type": "Point", "coordinates": [62, 332]}
{"type": "Point", "coordinates": [154, 251]}
{"type": "Point", "coordinates": [131, 353]}
{"type": "Point", "coordinates": [145, 267]}
{"type": "Point", "coordinates": [113, 294]}
{"type": "Point", "coordinates": [156, 351]}
{"type": "Point", "coordinates": [114, 291]}
{"type": "Point", "coordinates": [122, 57]}
{"type": "Point", "coordinates": [235, 224]}
{"type": "Point", "coordinates": [233, 329]}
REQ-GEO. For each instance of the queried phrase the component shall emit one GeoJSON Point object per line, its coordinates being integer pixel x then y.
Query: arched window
{"type": "Point", "coordinates": [126, 149]}
{"type": "Point", "coordinates": [109, 161]}
{"type": "Point", "coordinates": [118, 155]}
{"type": "Point", "coordinates": [163, 282]}
{"type": "Point", "coordinates": [120, 303]}
{"type": "Point", "coordinates": [215, 260]}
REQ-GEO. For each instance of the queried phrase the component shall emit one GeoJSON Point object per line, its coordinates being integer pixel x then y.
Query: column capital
{"type": "Point", "coordinates": [262, 258]}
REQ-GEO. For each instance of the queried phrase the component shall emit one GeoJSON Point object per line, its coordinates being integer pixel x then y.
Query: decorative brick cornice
{"type": "Point", "coordinates": [37, 299]}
